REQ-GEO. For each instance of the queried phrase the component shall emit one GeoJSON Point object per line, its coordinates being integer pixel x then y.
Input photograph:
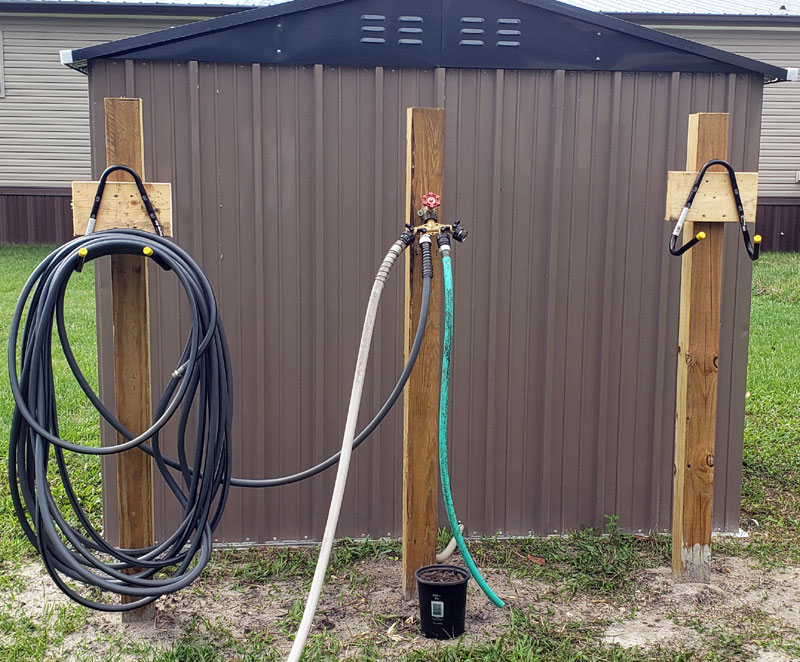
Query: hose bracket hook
{"type": "Point", "coordinates": [98, 196]}
{"type": "Point", "coordinates": [752, 246]}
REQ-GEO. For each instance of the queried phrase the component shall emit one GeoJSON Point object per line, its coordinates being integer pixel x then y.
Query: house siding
{"type": "Point", "coordinates": [44, 113]}
{"type": "Point", "coordinates": [780, 125]}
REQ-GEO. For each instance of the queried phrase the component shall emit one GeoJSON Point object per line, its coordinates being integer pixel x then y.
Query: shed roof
{"type": "Point", "coordinates": [669, 7]}
{"type": "Point", "coordinates": [189, 8]}
{"type": "Point", "coordinates": [481, 34]}
{"type": "Point", "coordinates": [693, 7]}
{"type": "Point", "coordinates": [168, 3]}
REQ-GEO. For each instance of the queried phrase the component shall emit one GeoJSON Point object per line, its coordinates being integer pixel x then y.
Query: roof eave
{"type": "Point", "coordinates": [634, 29]}
{"type": "Point", "coordinates": [118, 48]}
{"type": "Point", "coordinates": [68, 60]}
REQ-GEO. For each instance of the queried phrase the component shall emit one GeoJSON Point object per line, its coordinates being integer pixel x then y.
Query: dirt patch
{"type": "Point", "coordinates": [441, 576]}
{"type": "Point", "coordinates": [739, 597]}
{"type": "Point", "coordinates": [364, 603]}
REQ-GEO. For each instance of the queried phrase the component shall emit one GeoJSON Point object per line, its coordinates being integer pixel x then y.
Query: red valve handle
{"type": "Point", "coordinates": [431, 200]}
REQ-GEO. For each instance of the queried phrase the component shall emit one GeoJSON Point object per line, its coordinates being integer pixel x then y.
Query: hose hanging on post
{"type": "Point", "coordinates": [204, 368]}
{"type": "Point", "coordinates": [447, 272]}
{"type": "Point", "coordinates": [202, 380]}
{"type": "Point", "coordinates": [349, 433]}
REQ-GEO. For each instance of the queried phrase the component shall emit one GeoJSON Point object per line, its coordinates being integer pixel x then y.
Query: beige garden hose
{"type": "Point", "coordinates": [347, 442]}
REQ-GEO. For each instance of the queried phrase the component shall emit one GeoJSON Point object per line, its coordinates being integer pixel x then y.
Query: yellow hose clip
{"type": "Point", "coordinates": [82, 253]}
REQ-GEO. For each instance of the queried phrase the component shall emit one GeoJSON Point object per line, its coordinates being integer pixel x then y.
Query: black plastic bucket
{"type": "Point", "coordinates": [442, 600]}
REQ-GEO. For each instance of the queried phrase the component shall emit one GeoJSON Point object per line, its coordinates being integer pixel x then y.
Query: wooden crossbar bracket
{"type": "Point", "coordinates": [424, 166]}
{"type": "Point", "coordinates": [121, 206]}
{"type": "Point", "coordinates": [714, 201]}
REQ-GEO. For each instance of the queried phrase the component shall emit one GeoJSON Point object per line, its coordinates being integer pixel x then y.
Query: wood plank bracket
{"type": "Point", "coordinates": [713, 201]}
{"type": "Point", "coordinates": [424, 167]}
{"type": "Point", "coordinates": [698, 346]}
{"type": "Point", "coordinates": [131, 318]}
{"type": "Point", "coordinates": [121, 206]}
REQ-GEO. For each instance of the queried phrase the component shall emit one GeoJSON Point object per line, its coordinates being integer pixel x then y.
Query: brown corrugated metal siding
{"type": "Point", "coordinates": [35, 215]}
{"type": "Point", "coordinates": [289, 184]}
{"type": "Point", "coordinates": [779, 224]}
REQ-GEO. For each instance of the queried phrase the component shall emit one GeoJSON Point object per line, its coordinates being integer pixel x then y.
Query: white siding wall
{"type": "Point", "coordinates": [44, 114]}
{"type": "Point", "coordinates": [780, 127]}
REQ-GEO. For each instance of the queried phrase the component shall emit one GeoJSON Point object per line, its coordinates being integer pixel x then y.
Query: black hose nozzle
{"type": "Point", "coordinates": [407, 236]}
{"type": "Point", "coordinates": [427, 259]}
{"type": "Point", "coordinates": [459, 233]}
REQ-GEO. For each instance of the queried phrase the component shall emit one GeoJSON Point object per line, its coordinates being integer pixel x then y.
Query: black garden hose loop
{"type": "Point", "coordinates": [201, 386]}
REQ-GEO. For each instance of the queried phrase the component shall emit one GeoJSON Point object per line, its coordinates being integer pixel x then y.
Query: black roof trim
{"type": "Point", "coordinates": [121, 47]}
{"type": "Point", "coordinates": [702, 50]}
{"type": "Point", "coordinates": [567, 37]}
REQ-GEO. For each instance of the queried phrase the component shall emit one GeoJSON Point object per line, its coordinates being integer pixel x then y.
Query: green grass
{"type": "Point", "coordinates": [734, 637]}
{"type": "Point", "coordinates": [77, 418]}
{"type": "Point", "coordinates": [580, 562]}
{"type": "Point", "coordinates": [532, 636]}
{"type": "Point", "coordinates": [23, 638]}
{"type": "Point", "coordinates": [771, 459]}
{"type": "Point", "coordinates": [540, 636]}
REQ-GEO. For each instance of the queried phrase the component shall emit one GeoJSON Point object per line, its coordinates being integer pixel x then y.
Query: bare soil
{"type": "Point", "coordinates": [366, 602]}
{"type": "Point", "coordinates": [441, 576]}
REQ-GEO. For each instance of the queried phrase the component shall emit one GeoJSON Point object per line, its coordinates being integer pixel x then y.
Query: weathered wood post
{"type": "Point", "coordinates": [131, 317]}
{"type": "Point", "coordinates": [424, 166]}
{"type": "Point", "coordinates": [698, 339]}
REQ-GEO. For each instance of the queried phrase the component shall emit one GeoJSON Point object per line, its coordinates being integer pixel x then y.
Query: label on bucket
{"type": "Point", "coordinates": [437, 609]}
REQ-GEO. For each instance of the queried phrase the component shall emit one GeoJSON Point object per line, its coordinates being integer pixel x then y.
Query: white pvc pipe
{"type": "Point", "coordinates": [347, 449]}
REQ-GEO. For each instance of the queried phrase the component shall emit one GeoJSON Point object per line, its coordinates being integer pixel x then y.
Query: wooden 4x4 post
{"type": "Point", "coordinates": [424, 163]}
{"type": "Point", "coordinates": [121, 207]}
{"type": "Point", "coordinates": [698, 338]}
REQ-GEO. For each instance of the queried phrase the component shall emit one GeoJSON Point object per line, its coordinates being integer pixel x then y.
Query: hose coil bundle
{"type": "Point", "coordinates": [199, 388]}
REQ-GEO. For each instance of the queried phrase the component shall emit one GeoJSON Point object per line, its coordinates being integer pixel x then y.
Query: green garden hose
{"type": "Point", "coordinates": [443, 396]}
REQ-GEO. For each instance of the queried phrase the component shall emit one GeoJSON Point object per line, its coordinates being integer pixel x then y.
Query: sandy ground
{"type": "Point", "coordinates": [367, 602]}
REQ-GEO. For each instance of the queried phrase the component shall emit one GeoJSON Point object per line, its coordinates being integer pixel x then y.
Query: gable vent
{"type": "Point", "coordinates": [372, 30]}
{"type": "Point", "coordinates": [508, 32]}
{"type": "Point", "coordinates": [472, 31]}
{"type": "Point", "coordinates": [410, 30]}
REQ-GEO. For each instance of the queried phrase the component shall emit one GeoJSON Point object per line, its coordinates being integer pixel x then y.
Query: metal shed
{"type": "Point", "coordinates": [282, 131]}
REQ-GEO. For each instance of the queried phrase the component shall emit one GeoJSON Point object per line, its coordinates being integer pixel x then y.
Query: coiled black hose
{"type": "Point", "coordinates": [204, 368]}
{"type": "Point", "coordinates": [202, 379]}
